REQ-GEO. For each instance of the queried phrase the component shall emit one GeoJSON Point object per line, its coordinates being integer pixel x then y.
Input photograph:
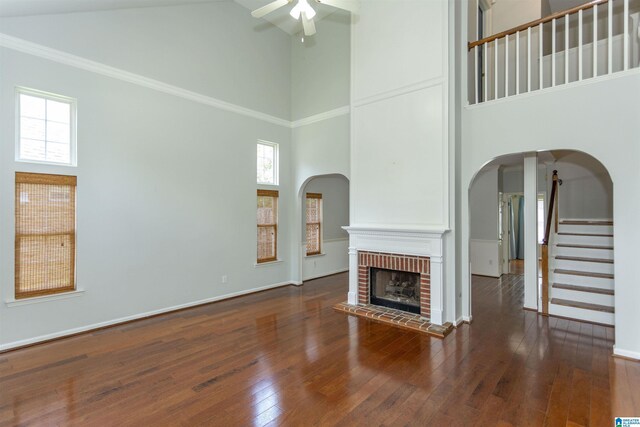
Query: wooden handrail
{"type": "Point", "coordinates": [552, 199]}
{"type": "Point", "coordinates": [545, 244]}
{"type": "Point", "coordinates": [544, 20]}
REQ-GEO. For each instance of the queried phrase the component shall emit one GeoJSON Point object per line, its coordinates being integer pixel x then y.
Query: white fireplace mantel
{"type": "Point", "coordinates": [405, 241]}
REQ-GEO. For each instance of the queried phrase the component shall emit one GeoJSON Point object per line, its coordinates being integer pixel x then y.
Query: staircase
{"type": "Point", "coordinates": [581, 271]}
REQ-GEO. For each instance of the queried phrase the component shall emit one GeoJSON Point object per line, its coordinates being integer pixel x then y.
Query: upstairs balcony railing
{"type": "Point", "coordinates": [598, 38]}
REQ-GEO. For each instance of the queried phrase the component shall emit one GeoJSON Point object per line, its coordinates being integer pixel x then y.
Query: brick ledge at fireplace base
{"type": "Point", "coordinates": [397, 318]}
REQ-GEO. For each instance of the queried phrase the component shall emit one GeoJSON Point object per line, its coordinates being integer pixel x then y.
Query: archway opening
{"type": "Point", "coordinates": [325, 210]}
{"type": "Point", "coordinates": [511, 218]}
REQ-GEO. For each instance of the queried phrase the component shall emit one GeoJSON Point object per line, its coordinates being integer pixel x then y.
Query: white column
{"type": "Point", "coordinates": [530, 231]}
{"type": "Point", "coordinates": [352, 296]}
{"type": "Point", "coordinates": [437, 291]}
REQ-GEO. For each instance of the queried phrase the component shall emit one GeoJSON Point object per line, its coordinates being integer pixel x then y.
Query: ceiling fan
{"type": "Point", "coordinates": [303, 10]}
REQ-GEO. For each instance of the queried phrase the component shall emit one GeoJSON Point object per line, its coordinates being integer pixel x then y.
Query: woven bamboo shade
{"type": "Point", "coordinates": [314, 219]}
{"type": "Point", "coordinates": [45, 245]}
{"type": "Point", "coordinates": [267, 225]}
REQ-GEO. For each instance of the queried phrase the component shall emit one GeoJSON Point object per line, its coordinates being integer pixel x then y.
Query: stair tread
{"type": "Point", "coordinates": [585, 222]}
{"type": "Point", "coordinates": [579, 288]}
{"type": "Point", "coordinates": [571, 245]}
{"type": "Point", "coordinates": [582, 305]}
{"type": "Point", "coordinates": [585, 259]}
{"type": "Point", "coordinates": [585, 234]}
{"type": "Point", "coordinates": [583, 273]}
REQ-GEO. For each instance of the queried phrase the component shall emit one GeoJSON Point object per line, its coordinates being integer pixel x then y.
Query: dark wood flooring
{"type": "Point", "coordinates": [285, 357]}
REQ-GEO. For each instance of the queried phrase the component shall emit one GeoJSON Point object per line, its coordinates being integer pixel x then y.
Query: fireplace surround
{"type": "Point", "coordinates": [405, 250]}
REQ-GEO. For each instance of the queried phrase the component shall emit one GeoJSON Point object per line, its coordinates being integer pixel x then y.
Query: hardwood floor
{"type": "Point", "coordinates": [284, 357]}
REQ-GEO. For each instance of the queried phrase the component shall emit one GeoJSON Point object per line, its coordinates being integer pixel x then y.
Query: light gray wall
{"type": "Point", "coordinates": [586, 190]}
{"type": "Point", "coordinates": [320, 67]}
{"type": "Point", "coordinates": [483, 199]}
{"type": "Point", "coordinates": [216, 49]}
{"type": "Point", "coordinates": [335, 204]}
{"type": "Point", "coordinates": [166, 186]}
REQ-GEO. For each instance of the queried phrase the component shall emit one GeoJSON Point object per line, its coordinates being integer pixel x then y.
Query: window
{"type": "Point", "coordinates": [267, 163]}
{"type": "Point", "coordinates": [45, 241]}
{"type": "Point", "coordinates": [267, 225]}
{"type": "Point", "coordinates": [46, 129]}
{"type": "Point", "coordinates": [314, 223]}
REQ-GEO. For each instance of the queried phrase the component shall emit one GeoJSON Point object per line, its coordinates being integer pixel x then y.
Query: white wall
{"type": "Point", "coordinates": [320, 67]}
{"type": "Point", "coordinates": [320, 138]}
{"type": "Point", "coordinates": [485, 247]}
{"type": "Point", "coordinates": [605, 127]}
{"type": "Point", "coordinates": [159, 219]}
{"type": "Point", "coordinates": [506, 14]}
{"type": "Point", "coordinates": [586, 190]}
{"type": "Point", "coordinates": [399, 147]}
{"type": "Point", "coordinates": [335, 215]}
{"type": "Point", "coordinates": [215, 49]}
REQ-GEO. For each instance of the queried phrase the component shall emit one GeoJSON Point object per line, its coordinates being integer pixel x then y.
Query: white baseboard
{"type": "Point", "coordinates": [467, 319]}
{"type": "Point", "coordinates": [74, 331]}
{"type": "Point", "coordinates": [626, 353]}
{"type": "Point", "coordinates": [328, 273]}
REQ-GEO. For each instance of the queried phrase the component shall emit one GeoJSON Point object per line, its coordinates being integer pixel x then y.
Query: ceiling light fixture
{"type": "Point", "coordinates": [302, 7]}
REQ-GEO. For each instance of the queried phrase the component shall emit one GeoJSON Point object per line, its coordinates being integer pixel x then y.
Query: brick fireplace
{"type": "Point", "coordinates": [395, 262]}
{"type": "Point", "coordinates": [405, 250]}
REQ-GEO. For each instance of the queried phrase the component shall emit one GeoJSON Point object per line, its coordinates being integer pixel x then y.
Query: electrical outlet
{"type": "Point", "coordinates": [225, 279]}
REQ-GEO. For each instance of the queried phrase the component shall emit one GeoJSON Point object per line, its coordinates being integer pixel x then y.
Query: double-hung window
{"type": "Point", "coordinates": [45, 239]}
{"type": "Point", "coordinates": [267, 225]}
{"type": "Point", "coordinates": [314, 223]}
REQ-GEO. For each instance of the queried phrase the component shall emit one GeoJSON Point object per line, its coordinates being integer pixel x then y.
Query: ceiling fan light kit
{"type": "Point", "coordinates": [303, 9]}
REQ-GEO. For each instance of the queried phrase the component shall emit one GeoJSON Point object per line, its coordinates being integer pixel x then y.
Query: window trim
{"type": "Point", "coordinates": [73, 155]}
{"type": "Point", "coordinates": [276, 162]}
{"type": "Point", "coordinates": [274, 194]}
{"type": "Point", "coordinates": [315, 196]}
{"type": "Point", "coordinates": [46, 179]}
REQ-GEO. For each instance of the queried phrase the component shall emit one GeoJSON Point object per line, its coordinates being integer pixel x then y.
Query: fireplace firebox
{"type": "Point", "coordinates": [395, 289]}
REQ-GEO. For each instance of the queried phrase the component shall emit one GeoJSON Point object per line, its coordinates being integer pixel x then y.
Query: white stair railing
{"type": "Point", "coordinates": [561, 48]}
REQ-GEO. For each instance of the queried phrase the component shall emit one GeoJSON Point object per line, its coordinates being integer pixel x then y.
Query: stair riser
{"type": "Point", "coordinates": [588, 297]}
{"type": "Point", "coordinates": [584, 240]}
{"type": "Point", "coordinates": [578, 313]}
{"type": "Point", "coordinates": [600, 229]}
{"type": "Point", "coordinates": [570, 279]}
{"type": "Point", "coordinates": [584, 253]}
{"type": "Point", "coordinates": [594, 267]}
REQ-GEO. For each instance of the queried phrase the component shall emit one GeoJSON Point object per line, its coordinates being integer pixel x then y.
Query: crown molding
{"type": "Point", "coordinates": [342, 111]}
{"type": "Point", "coordinates": [65, 58]}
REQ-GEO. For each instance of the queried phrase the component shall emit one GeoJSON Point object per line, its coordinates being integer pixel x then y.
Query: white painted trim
{"type": "Point", "coordinates": [45, 298]}
{"type": "Point", "coordinates": [61, 57]}
{"type": "Point", "coordinates": [591, 80]}
{"type": "Point", "coordinates": [467, 319]}
{"type": "Point", "coordinates": [329, 273]}
{"type": "Point", "coordinates": [342, 111]}
{"type": "Point", "coordinates": [400, 91]}
{"type": "Point", "coordinates": [626, 353]}
{"type": "Point", "coordinates": [263, 264]}
{"type": "Point", "coordinates": [29, 341]}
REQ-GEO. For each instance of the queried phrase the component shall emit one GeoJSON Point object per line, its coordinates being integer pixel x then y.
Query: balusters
{"type": "Point", "coordinates": [495, 69]}
{"type": "Point", "coordinates": [529, 59]}
{"type": "Point", "coordinates": [580, 45]}
{"type": "Point", "coordinates": [540, 57]}
{"type": "Point", "coordinates": [517, 62]}
{"type": "Point", "coordinates": [506, 66]}
{"type": "Point", "coordinates": [566, 48]}
{"type": "Point", "coordinates": [595, 41]}
{"type": "Point", "coordinates": [610, 38]}
{"type": "Point", "coordinates": [553, 52]}
{"type": "Point", "coordinates": [625, 37]}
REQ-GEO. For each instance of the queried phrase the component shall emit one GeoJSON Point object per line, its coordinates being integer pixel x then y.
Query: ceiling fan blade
{"type": "Point", "coordinates": [308, 25]}
{"type": "Point", "coordinates": [350, 5]}
{"type": "Point", "coordinates": [264, 10]}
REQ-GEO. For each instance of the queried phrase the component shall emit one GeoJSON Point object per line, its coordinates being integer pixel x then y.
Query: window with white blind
{"type": "Point", "coordinates": [45, 241]}
{"type": "Point", "coordinates": [314, 223]}
{"type": "Point", "coordinates": [267, 163]}
{"type": "Point", "coordinates": [46, 128]}
{"type": "Point", "coordinates": [267, 225]}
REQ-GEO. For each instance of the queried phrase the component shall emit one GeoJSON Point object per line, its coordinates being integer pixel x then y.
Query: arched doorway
{"type": "Point", "coordinates": [324, 210]}
{"type": "Point", "coordinates": [513, 193]}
